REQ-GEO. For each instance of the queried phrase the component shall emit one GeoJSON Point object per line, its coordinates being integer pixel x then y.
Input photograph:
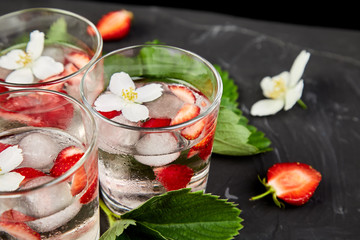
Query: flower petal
{"type": "Point", "coordinates": [21, 76]}
{"type": "Point", "coordinates": [266, 107]}
{"type": "Point", "coordinates": [108, 102]}
{"type": "Point", "coordinates": [275, 87]}
{"type": "Point", "coordinates": [10, 158]}
{"type": "Point", "coordinates": [10, 181]}
{"type": "Point", "coordinates": [45, 67]}
{"type": "Point", "coordinates": [298, 67]}
{"type": "Point", "coordinates": [12, 60]}
{"type": "Point", "coordinates": [293, 95]}
{"type": "Point", "coordinates": [149, 92]}
{"type": "Point", "coordinates": [35, 46]}
{"type": "Point", "coordinates": [135, 112]}
{"type": "Point", "coordinates": [119, 82]}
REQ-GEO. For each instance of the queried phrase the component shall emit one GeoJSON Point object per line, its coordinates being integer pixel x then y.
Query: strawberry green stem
{"type": "Point", "coordinates": [270, 190]}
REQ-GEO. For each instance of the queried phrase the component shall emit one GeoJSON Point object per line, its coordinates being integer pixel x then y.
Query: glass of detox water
{"type": "Point", "coordinates": [48, 167]}
{"type": "Point", "coordinates": [156, 112]}
{"type": "Point", "coordinates": [46, 48]}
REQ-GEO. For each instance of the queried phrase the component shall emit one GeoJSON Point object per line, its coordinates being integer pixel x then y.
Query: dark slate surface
{"type": "Point", "coordinates": [326, 135]}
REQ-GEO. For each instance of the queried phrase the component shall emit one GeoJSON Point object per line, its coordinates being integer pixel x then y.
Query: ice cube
{"type": "Point", "coordinates": [47, 200]}
{"type": "Point", "coordinates": [165, 106]}
{"type": "Point", "coordinates": [157, 149]}
{"type": "Point", "coordinates": [115, 139]}
{"type": "Point", "coordinates": [39, 151]}
{"type": "Point", "coordinates": [57, 219]}
{"type": "Point", "coordinates": [55, 52]}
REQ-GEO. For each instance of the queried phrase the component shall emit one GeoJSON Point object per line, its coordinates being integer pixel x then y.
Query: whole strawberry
{"type": "Point", "coordinates": [294, 183]}
{"type": "Point", "coordinates": [115, 24]}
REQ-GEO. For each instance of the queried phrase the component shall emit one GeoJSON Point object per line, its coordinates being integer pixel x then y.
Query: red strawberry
{"type": "Point", "coordinates": [4, 146]}
{"type": "Point", "coordinates": [204, 147]}
{"type": "Point", "coordinates": [29, 173]}
{"type": "Point", "coordinates": [13, 222]}
{"type": "Point", "coordinates": [157, 122]}
{"type": "Point", "coordinates": [115, 24]}
{"type": "Point", "coordinates": [39, 110]}
{"type": "Point", "coordinates": [19, 230]}
{"type": "Point", "coordinates": [79, 181]}
{"type": "Point", "coordinates": [110, 114]}
{"type": "Point", "coordinates": [295, 183]}
{"type": "Point", "coordinates": [192, 132]}
{"type": "Point", "coordinates": [174, 176]}
{"type": "Point", "coordinates": [67, 158]}
{"type": "Point", "coordinates": [186, 112]}
{"type": "Point", "coordinates": [79, 59]}
{"type": "Point", "coordinates": [15, 216]}
{"type": "Point", "coordinates": [91, 192]}
{"type": "Point", "coordinates": [184, 93]}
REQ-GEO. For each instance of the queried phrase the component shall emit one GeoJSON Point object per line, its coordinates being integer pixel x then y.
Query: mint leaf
{"type": "Point", "coordinates": [189, 215]}
{"type": "Point", "coordinates": [117, 229]}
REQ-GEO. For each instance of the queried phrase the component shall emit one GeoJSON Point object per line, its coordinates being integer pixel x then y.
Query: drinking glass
{"type": "Point", "coordinates": [57, 59]}
{"type": "Point", "coordinates": [142, 159]}
{"type": "Point", "coordinates": [48, 167]}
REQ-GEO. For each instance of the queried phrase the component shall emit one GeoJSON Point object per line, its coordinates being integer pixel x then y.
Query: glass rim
{"type": "Point", "coordinates": [96, 55]}
{"type": "Point", "coordinates": [202, 115]}
{"type": "Point", "coordinates": [87, 152]}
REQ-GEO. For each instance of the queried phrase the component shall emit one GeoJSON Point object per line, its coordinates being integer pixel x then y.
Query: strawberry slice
{"type": "Point", "coordinates": [67, 158]}
{"type": "Point", "coordinates": [110, 114]}
{"type": "Point", "coordinates": [79, 181]}
{"type": "Point", "coordinates": [29, 174]}
{"type": "Point", "coordinates": [13, 223]}
{"type": "Point", "coordinates": [39, 110]}
{"type": "Point", "coordinates": [184, 93]}
{"type": "Point", "coordinates": [174, 177]}
{"type": "Point", "coordinates": [187, 111]}
{"type": "Point", "coordinates": [15, 216]}
{"type": "Point", "coordinates": [4, 146]}
{"type": "Point", "coordinates": [294, 183]}
{"type": "Point", "coordinates": [192, 132]}
{"type": "Point", "coordinates": [19, 230]}
{"type": "Point", "coordinates": [204, 147]}
{"type": "Point", "coordinates": [114, 25]}
{"type": "Point", "coordinates": [91, 192]}
{"type": "Point", "coordinates": [157, 122]}
{"type": "Point", "coordinates": [79, 59]}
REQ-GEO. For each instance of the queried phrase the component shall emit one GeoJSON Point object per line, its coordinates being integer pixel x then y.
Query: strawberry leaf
{"type": "Point", "coordinates": [179, 214]}
{"type": "Point", "coordinates": [117, 229]}
{"type": "Point", "coordinates": [233, 135]}
{"type": "Point", "coordinates": [185, 215]}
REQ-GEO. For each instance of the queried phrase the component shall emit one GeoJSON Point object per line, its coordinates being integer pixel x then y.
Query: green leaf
{"type": "Point", "coordinates": [58, 31]}
{"type": "Point", "coordinates": [189, 215]}
{"type": "Point", "coordinates": [233, 135]}
{"type": "Point", "coordinates": [140, 232]}
{"type": "Point", "coordinates": [117, 229]}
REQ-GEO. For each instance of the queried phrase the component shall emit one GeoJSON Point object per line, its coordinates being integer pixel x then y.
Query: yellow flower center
{"type": "Point", "coordinates": [129, 94]}
{"type": "Point", "coordinates": [278, 89]}
{"type": "Point", "coordinates": [25, 59]}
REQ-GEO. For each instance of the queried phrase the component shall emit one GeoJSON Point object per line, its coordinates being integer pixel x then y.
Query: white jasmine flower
{"type": "Point", "coordinates": [122, 96]}
{"type": "Point", "coordinates": [28, 63]}
{"type": "Point", "coordinates": [10, 158]}
{"type": "Point", "coordinates": [282, 90]}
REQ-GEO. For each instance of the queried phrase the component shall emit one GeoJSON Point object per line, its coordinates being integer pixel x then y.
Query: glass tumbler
{"type": "Point", "coordinates": [48, 167]}
{"type": "Point", "coordinates": [46, 48]}
{"type": "Point", "coordinates": [156, 107]}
